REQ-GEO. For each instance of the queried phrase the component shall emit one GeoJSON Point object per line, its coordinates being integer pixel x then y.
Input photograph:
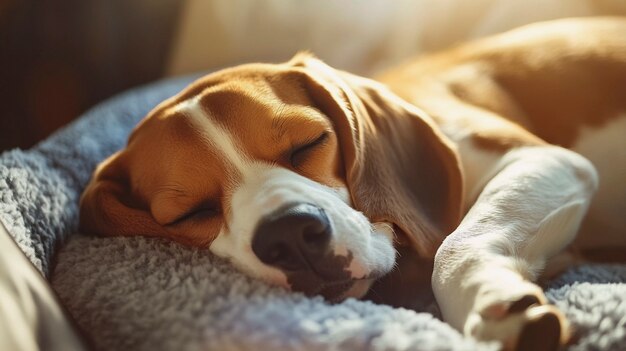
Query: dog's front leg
{"type": "Point", "coordinates": [484, 270]}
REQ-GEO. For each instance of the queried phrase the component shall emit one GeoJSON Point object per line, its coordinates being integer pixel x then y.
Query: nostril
{"type": "Point", "coordinates": [275, 254]}
{"type": "Point", "coordinates": [281, 256]}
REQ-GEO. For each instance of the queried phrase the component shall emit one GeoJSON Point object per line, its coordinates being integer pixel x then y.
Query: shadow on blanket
{"type": "Point", "coordinates": [136, 293]}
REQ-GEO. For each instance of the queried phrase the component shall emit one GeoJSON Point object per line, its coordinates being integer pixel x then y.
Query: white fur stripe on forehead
{"type": "Point", "coordinates": [218, 136]}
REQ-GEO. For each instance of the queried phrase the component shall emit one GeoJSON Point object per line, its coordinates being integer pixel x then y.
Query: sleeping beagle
{"type": "Point", "coordinates": [464, 166]}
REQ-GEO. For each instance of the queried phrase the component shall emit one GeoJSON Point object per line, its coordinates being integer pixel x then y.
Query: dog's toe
{"type": "Point", "coordinates": [524, 303]}
{"type": "Point", "coordinates": [545, 330]}
{"type": "Point", "coordinates": [507, 307]}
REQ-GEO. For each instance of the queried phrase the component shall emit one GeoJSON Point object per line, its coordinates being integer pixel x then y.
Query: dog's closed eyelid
{"type": "Point", "coordinates": [204, 211]}
{"type": "Point", "coordinates": [298, 153]}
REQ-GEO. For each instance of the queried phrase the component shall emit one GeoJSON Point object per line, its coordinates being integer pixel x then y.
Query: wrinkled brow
{"type": "Point", "coordinates": [287, 114]}
{"type": "Point", "coordinates": [171, 191]}
{"type": "Point", "coordinates": [279, 128]}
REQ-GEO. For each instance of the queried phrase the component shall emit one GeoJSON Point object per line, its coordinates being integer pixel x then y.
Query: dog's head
{"type": "Point", "coordinates": [299, 174]}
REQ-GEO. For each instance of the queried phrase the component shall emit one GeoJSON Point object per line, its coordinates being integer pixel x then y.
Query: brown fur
{"type": "Point", "coordinates": [549, 78]}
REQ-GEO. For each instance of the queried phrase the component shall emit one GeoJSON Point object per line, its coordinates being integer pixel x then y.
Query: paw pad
{"type": "Point", "coordinates": [544, 330]}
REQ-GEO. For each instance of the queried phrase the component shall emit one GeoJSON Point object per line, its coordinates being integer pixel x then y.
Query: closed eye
{"type": "Point", "coordinates": [201, 212]}
{"type": "Point", "coordinates": [299, 153]}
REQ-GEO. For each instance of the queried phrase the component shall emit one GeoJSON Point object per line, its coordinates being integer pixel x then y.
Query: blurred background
{"type": "Point", "coordinates": [58, 58]}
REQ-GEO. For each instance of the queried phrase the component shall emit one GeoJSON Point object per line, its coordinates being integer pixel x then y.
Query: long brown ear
{"type": "Point", "coordinates": [399, 167]}
{"type": "Point", "coordinates": [106, 207]}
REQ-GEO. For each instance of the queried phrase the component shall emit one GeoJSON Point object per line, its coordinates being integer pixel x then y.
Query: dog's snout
{"type": "Point", "coordinates": [293, 237]}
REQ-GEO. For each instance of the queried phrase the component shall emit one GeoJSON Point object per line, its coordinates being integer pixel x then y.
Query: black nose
{"type": "Point", "coordinates": [292, 237]}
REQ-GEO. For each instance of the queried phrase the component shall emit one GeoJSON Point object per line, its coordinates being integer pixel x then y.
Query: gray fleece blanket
{"type": "Point", "coordinates": [150, 294]}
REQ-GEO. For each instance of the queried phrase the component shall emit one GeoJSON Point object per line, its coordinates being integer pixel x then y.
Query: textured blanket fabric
{"type": "Point", "coordinates": [148, 294]}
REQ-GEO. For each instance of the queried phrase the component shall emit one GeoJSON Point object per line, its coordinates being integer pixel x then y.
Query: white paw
{"type": "Point", "coordinates": [519, 318]}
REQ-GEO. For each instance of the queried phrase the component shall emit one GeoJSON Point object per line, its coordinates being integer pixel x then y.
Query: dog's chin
{"type": "Point", "coordinates": [337, 292]}
{"type": "Point", "coordinates": [358, 289]}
